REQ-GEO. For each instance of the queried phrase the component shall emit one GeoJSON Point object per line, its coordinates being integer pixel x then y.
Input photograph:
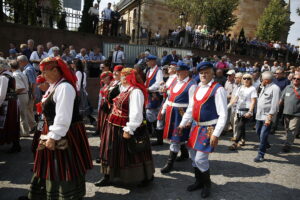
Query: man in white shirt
{"type": "Point", "coordinates": [37, 56]}
{"type": "Point", "coordinates": [208, 109]}
{"type": "Point", "coordinates": [106, 15]}
{"type": "Point", "coordinates": [22, 88]}
{"type": "Point", "coordinates": [118, 56]}
{"type": "Point", "coordinates": [94, 13]}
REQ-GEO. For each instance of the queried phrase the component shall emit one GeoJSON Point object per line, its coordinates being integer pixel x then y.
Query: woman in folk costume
{"type": "Point", "coordinates": [43, 85]}
{"type": "Point", "coordinates": [208, 110]}
{"type": "Point", "coordinates": [180, 93]}
{"type": "Point", "coordinates": [63, 154]}
{"type": "Point", "coordinates": [9, 113]}
{"type": "Point", "coordinates": [103, 111]}
{"type": "Point", "coordinates": [117, 162]}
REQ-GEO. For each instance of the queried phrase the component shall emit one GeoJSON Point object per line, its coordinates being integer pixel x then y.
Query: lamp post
{"type": "Point", "coordinates": [181, 17]}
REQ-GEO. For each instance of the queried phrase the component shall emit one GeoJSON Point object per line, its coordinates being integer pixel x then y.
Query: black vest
{"type": "Point", "coordinates": [11, 88]}
{"type": "Point", "coordinates": [49, 109]}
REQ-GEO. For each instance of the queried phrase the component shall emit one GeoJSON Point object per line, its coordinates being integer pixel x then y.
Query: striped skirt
{"type": "Point", "coordinates": [117, 162]}
{"type": "Point", "coordinates": [11, 130]}
{"type": "Point", "coordinates": [102, 119]}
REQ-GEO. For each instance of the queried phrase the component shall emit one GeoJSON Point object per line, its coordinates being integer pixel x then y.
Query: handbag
{"type": "Point", "coordinates": [140, 141]}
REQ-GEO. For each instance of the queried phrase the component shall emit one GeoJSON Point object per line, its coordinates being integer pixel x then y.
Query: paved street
{"type": "Point", "coordinates": [234, 174]}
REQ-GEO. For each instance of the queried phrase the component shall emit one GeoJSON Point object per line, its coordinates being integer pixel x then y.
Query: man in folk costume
{"type": "Point", "coordinates": [9, 113]}
{"type": "Point", "coordinates": [208, 109]}
{"type": "Point", "coordinates": [181, 92]}
{"type": "Point", "coordinates": [154, 77]}
{"type": "Point", "coordinates": [63, 154]}
{"type": "Point", "coordinates": [165, 88]}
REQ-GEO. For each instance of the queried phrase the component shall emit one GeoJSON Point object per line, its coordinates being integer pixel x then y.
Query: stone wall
{"type": "Point", "coordinates": [18, 34]}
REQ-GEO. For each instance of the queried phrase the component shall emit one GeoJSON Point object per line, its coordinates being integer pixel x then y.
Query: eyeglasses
{"type": "Point", "coordinates": [296, 79]}
{"type": "Point", "coordinates": [247, 79]}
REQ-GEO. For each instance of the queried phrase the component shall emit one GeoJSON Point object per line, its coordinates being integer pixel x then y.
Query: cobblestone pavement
{"type": "Point", "coordinates": [234, 174]}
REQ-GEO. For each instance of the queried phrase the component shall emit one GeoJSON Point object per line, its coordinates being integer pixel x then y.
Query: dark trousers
{"type": "Point", "coordinates": [106, 24]}
{"type": "Point", "coordinates": [262, 133]}
{"type": "Point", "coordinates": [114, 28]}
{"type": "Point", "coordinates": [241, 128]}
{"type": "Point", "coordinates": [95, 21]}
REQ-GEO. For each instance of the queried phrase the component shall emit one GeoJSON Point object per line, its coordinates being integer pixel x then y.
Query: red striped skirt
{"type": "Point", "coordinates": [102, 119]}
{"type": "Point", "coordinates": [68, 164]}
{"type": "Point", "coordinates": [118, 162]}
{"type": "Point", "coordinates": [11, 131]}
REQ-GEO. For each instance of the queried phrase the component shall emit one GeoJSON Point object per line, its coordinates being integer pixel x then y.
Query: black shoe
{"type": "Point", "coordinates": [92, 119]}
{"type": "Point", "coordinates": [15, 148]}
{"type": "Point", "coordinates": [169, 166]}
{"type": "Point", "coordinates": [98, 160]}
{"type": "Point", "coordinates": [206, 184]}
{"type": "Point", "coordinates": [184, 154]}
{"type": "Point", "coordinates": [157, 143]}
{"type": "Point", "coordinates": [23, 198]}
{"type": "Point", "coordinates": [159, 137]}
{"type": "Point", "coordinates": [146, 182]}
{"type": "Point", "coordinates": [286, 149]}
{"type": "Point", "coordinates": [103, 182]}
{"type": "Point", "coordinates": [198, 183]}
{"type": "Point", "coordinates": [96, 133]}
{"type": "Point", "coordinates": [268, 146]}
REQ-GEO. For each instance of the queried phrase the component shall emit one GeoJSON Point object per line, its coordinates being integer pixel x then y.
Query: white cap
{"type": "Point", "coordinates": [230, 72]}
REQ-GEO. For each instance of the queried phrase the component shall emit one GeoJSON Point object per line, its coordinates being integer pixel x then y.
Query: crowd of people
{"type": "Point", "coordinates": [187, 101]}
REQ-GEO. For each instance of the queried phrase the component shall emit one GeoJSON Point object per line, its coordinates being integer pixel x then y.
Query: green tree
{"type": "Point", "coordinates": [298, 11]}
{"type": "Point", "coordinates": [193, 9]}
{"type": "Point", "coordinates": [86, 24]}
{"type": "Point", "coordinates": [62, 23]}
{"type": "Point", "coordinates": [219, 14]}
{"type": "Point", "coordinates": [273, 21]}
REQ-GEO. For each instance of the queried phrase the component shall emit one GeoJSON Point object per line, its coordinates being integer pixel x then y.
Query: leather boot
{"type": "Point", "coordinates": [206, 184]}
{"type": "Point", "coordinates": [198, 183]}
{"type": "Point", "coordinates": [169, 166]}
{"type": "Point", "coordinates": [159, 136]}
{"type": "Point", "coordinates": [103, 182]}
{"type": "Point", "coordinates": [184, 153]}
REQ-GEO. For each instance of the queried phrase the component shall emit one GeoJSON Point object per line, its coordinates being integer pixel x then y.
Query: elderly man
{"type": "Point", "coordinates": [37, 56]}
{"type": "Point", "coordinates": [94, 13]}
{"type": "Point", "coordinates": [208, 109]}
{"type": "Point", "coordinates": [29, 71]}
{"type": "Point", "coordinates": [22, 92]}
{"type": "Point", "coordinates": [118, 57]}
{"type": "Point", "coordinates": [290, 98]}
{"type": "Point", "coordinates": [154, 77]}
{"type": "Point", "coordinates": [267, 107]}
{"type": "Point", "coordinates": [9, 118]}
{"type": "Point", "coordinates": [171, 57]}
{"type": "Point", "coordinates": [181, 93]}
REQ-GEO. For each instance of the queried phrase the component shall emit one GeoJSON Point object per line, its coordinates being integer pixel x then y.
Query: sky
{"type": "Point", "coordinates": [294, 33]}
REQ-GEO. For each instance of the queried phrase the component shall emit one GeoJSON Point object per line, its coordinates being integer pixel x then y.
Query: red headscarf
{"type": "Point", "coordinates": [118, 68]}
{"type": "Point", "coordinates": [106, 74]}
{"type": "Point", "coordinates": [130, 76]}
{"type": "Point", "coordinates": [50, 63]}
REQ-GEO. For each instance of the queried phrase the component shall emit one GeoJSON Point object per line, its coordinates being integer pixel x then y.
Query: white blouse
{"type": "Point", "coordinates": [136, 104]}
{"type": "Point", "coordinates": [158, 79]}
{"type": "Point", "coordinates": [64, 97]}
{"type": "Point", "coordinates": [79, 79]}
{"type": "Point", "coordinates": [3, 86]}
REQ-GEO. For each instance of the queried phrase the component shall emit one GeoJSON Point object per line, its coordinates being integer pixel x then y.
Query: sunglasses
{"type": "Point", "coordinates": [298, 79]}
{"type": "Point", "coordinates": [247, 79]}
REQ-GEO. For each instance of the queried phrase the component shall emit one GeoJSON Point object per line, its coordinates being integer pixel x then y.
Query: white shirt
{"type": "Point", "coordinates": [177, 87]}
{"type": "Point", "coordinates": [106, 14]}
{"type": "Point", "coordinates": [79, 79]}
{"type": "Point", "coordinates": [64, 97]}
{"type": "Point", "coordinates": [158, 78]}
{"type": "Point", "coordinates": [3, 86]}
{"type": "Point", "coordinates": [35, 56]}
{"type": "Point", "coordinates": [93, 11]}
{"type": "Point", "coordinates": [221, 107]}
{"type": "Point", "coordinates": [245, 95]}
{"type": "Point", "coordinates": [170, 81]}
{"type": "Point", "coordinates": [118, 57]}
{"type": "Point", "coordinates": [21, 81]}
{"type": "Point", "coordinates": [136, 104]}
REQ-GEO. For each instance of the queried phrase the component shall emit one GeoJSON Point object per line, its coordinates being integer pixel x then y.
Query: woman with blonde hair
{"type": "Point", "coordinates": [245, 99]}
{"type": "Point", "coordinates": [119, 162]}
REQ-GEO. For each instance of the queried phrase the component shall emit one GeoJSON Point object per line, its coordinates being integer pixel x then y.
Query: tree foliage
{"type": "Point", "coordinates": [86, 24]}
{"type": "Point", "coordinates": [62, 23]}
{"type": "Point", "coordinates": [219, 14]}
{"type": "Point", "coordinates": [273, 21]}
{"type": "Point", "coordinates": [298, 11]}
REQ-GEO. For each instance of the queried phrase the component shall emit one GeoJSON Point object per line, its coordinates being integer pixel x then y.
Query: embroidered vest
{"type": "Point", "coordinates": [182, 96]}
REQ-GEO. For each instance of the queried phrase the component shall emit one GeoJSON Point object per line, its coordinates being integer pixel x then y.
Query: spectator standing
{"type": "Point", "coordinates": [72, 51]}
{"type": "Point", "coordinates": [118, 57]}
{"type": "Point", "coordinates": [22, 88]}
{"type": "Point", "coordinates": [115, 17]}
{"type": "Point", "coordinates": [94, 63]}
{"type": "Point", "coordinates": [49, 47]}
{"type": "Point", "coordinates": [290, 98]}
{"type": "Point", "coordinates": [94, 13]}
{"type": "Point", "coordinates": [222, 64]}
{"type": "Point", "coordinates": [29, 71]}
{"type": "Point", "coordinates": [12, 54]}
{"type": "Point", "coordinates": [25, 50]}
{"type": "Point", "coordinates": [37, 56]}
{"type": "Point", "coordinates": [67, 56]}
{"type": "Point", "coordinates": [106, 15]}
{"type": "Point", "coordinates": [171, 57]}
{"type": "Point", "coordinates": [274, 67]}
{"type": "Point", "coordinates": [267, 107]}
{"type": "Point", "coordinates": [220, 78]}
